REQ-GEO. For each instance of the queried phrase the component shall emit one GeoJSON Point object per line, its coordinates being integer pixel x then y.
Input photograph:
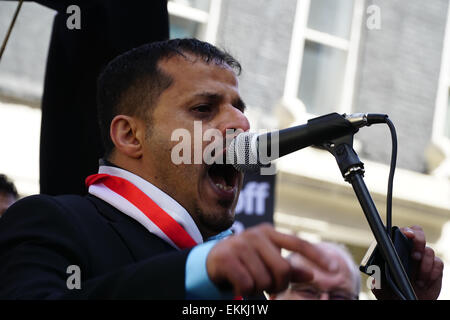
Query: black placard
{"type": "Point", "coordinates": [256, 201]}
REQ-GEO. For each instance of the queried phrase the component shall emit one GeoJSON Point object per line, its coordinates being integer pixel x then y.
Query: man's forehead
{"type": "Point", "coordinates": [299, 260]}
{"type": "Point", "coordinates": [177, 65]}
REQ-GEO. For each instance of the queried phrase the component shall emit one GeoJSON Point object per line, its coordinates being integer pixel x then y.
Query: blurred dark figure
{"type": "Point", "coordinates": [70, 138]}
{"type": "Point", "coordinates": [8, 194]}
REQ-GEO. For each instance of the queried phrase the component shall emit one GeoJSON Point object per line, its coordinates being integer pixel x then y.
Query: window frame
{"type": "Point", "coordinates": [438, 152]}
{"type": "Point", "coordinates": [442, 96]}
{"type": "Point", "coordinates": [209, 20]}
{"type": "Point", "coordinates": [300, 34]}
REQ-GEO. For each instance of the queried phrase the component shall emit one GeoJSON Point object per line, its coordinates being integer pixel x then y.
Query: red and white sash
{"type": "Point", "coordinates": [151, 207]}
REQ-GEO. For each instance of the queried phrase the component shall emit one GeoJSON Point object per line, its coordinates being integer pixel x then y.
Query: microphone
{"type": "Point", "coordinates": [251, 151]}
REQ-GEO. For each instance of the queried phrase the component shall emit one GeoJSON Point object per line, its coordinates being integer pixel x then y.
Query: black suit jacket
{"type": "Point", "coordinates": [41, 236]}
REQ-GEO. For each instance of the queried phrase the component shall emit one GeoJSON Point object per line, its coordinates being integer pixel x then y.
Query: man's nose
{"type": "Point", "coordinates": [233, 121]}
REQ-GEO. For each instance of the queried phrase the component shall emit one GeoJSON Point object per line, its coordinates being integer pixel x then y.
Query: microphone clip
{"type": "Point", "coordinates": [346, 158]}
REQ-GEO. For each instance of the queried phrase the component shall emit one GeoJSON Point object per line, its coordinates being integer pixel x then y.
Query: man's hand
{"type": "Point", "coordinates": [251, 261]}
{"type": "Point", "coordinates": [427, 269]}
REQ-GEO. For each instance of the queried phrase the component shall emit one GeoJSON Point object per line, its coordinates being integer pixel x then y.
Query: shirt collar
{"type": "Point", "coordinates": [222, 235]}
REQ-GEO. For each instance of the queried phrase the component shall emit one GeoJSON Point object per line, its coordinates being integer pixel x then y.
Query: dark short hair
{"type": "Point", "coordinates": [132, 82]}
{"type": "Point", "coordinates": [7, 186]}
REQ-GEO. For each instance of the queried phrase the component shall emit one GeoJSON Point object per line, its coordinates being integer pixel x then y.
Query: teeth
{"type": "Point", "coordinates": [222, 187]}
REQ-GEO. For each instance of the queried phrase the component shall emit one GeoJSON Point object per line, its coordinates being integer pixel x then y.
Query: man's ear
{"type": "Point", "coordinates": [127, 135]}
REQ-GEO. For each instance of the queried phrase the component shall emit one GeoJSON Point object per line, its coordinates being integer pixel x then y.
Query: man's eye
{"type": "Point", "coordinates": [310, 292]}
{"type": "Point", "coordinates": [341, 296]}
{"type": "Point", "coordinates": [202, 108]}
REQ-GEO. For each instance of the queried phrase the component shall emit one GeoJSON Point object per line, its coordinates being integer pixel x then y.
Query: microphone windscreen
{"type": "Point", "coordinates": [242, 152]}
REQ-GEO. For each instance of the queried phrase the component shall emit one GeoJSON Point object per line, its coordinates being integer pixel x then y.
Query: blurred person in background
{"type": "Point", "coordinates": [341, 285]}
{"type": "Point", "coordinates": [345, 284]}
{"type": "Point", "coordinates": [8, 193]}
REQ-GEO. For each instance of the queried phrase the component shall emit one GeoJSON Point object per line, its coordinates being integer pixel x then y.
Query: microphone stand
{"type": "Point", "coordinates": [352, 170]}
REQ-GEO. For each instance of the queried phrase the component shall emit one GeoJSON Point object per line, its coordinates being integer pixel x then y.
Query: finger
{"type": "Point", "coordinates": [426, 265]}
{"type": "Point", "coordinates": [278, 267]}
{"type": "Point", "coordinates": [256, 267]}
{"type": "Point", "coordinates": [225, 268]}
{"type": "Point", "coordinates": [305, 248]}
{"type": "Point", "coordinates": [419, 242]}
{"type": "Point", "coordinates": [438, 269]}
{"type": "Point", "coordinates": [281, 269]}
{"type": "Point", "coordinates": [240, 279]}
{"type": "Point", "coordinates": [409, 233]}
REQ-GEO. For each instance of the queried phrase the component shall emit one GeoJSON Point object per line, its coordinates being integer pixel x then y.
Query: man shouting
{"type": "Point", "coordinates": [152, 227]}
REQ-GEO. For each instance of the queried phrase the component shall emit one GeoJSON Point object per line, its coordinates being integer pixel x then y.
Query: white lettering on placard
{"type": "Point", "coordinates": [252, 199]}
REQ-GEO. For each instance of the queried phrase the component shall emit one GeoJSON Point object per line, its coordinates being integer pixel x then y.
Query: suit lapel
{"type": "Point", "coordinates": [140, 242]}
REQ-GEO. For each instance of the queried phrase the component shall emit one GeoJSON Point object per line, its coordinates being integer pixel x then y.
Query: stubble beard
{"type": "Point", "coordinates": [214, 223]}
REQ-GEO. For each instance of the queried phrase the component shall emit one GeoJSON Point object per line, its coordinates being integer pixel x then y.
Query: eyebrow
{"type": "Point", "coordinates": [215, 97]}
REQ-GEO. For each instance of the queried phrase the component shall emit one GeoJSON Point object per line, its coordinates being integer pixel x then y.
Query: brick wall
{"type": "Point", "coordinates": [398, 74]}
{"type": "Point", "coordinates": [258, 34]}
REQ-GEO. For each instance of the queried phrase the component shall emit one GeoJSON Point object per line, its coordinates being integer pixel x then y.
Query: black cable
{"type": "Point", "coordinates": [8, 33]}
{"type": "Point", "coordinates": [383, 118]}
{"type": "Point", "coordinates": [389, 203]}
{"type": "Point", "coordinates": [391, 178]}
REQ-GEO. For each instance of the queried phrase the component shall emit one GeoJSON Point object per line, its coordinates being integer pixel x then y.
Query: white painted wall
{"type": "Point", "coordinates": [20, 128]}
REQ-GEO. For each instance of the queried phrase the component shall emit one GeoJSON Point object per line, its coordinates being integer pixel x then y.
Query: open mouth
{"type": "Point", "coordinates": [224, 179]}
{"type": "Point", "coordinates": [224, 176]}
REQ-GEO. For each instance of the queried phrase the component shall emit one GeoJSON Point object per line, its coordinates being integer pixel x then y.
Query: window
{"type": "Point", "coordinates": [194, 18]}
{"type": "Point", "coordinates": [322, 62]}
{"type": "Point", "coordinates": [447, 117]}
{"type": "Point", "coordinates": [438, 153]}
{"type": "Point", "coordinates": [441, 125]}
